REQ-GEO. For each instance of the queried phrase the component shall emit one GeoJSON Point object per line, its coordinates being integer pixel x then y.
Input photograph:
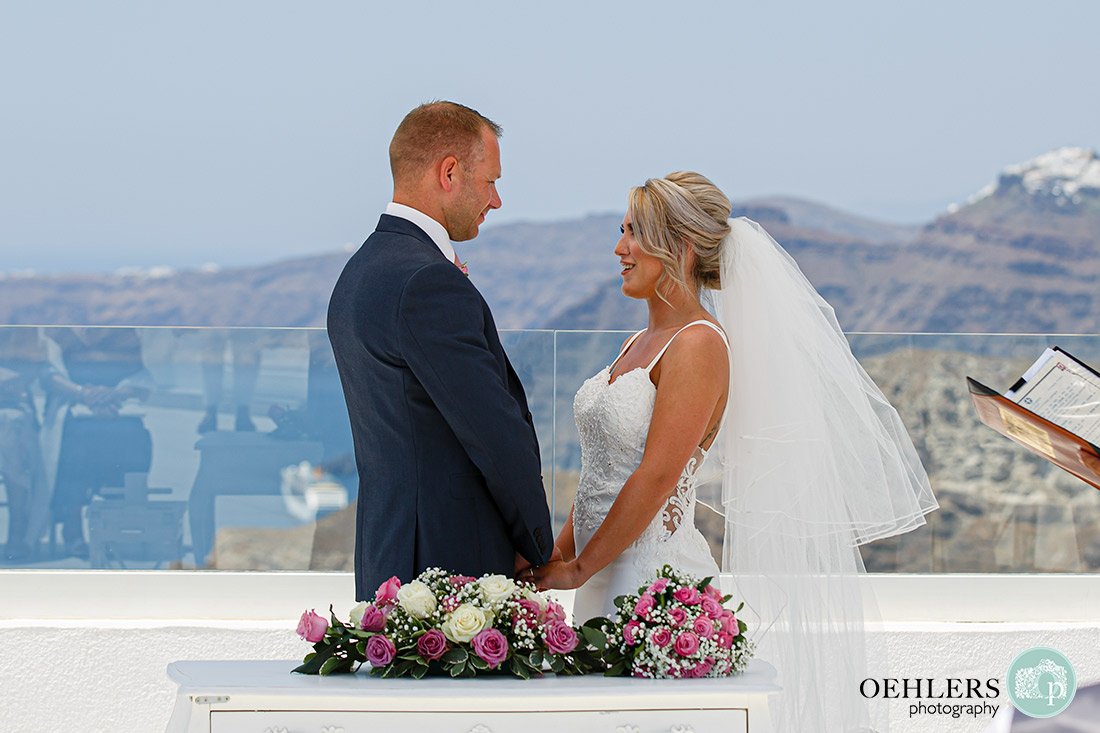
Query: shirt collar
{"type": "Point", "coordinates": [430, 226]}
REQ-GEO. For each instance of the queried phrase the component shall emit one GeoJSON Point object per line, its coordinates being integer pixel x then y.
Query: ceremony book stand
{"type": "Point", "coordinates": [265, 697]}
{"type": "Point", "coordinates": [1037, 434]}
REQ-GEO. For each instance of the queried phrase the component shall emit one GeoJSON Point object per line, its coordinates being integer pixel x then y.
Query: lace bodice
{"type": "Point", "coordinates": [613, 421]}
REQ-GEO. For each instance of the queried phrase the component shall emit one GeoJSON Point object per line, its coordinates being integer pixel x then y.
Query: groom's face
{"type": "Point", "coordinates": [476, 193]}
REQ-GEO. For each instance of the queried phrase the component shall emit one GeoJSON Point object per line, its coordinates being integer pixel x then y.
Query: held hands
{"type": "Point", "coordinates": [558, 574]}
{"type": "Point", "coordinates": [528, 572]}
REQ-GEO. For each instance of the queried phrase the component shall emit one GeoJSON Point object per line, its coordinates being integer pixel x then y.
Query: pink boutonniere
{"type": "Point", "coordinates": [462, 266]}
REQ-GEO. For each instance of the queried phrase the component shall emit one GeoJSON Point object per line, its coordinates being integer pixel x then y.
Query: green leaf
{"type": "Point", "coordinates": [702, 584]}
{"type": "Point", "coordinates": [477, 662]}
{"type": "Point", "coordinates": [595, 637]}
{"type": "Point", "coordinates": [419, 671]}
{"type": "Point", "coordinates": [330, 665]}
{"type": "Point", "coordinates": [586, 661]}
{"type": "Point", "coordinates": [535, 659]}
{"type": "Point", "coordinates": [458, 669]}
{"type": "Point", "coordinates": [455, 656]}
{"type": "Point", "coordinates": [519, 669]}
{"type": "Point", "coordinates": [556, 663]}
{"type": "Point", "coordinates": [616, 670]}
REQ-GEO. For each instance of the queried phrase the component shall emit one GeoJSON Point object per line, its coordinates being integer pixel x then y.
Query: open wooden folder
{"type": "Point", "coordinates": [1039, 435]}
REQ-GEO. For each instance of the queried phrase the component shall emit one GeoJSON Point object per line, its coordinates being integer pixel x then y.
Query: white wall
{"type": "Point", "coordinates": [96, 661]}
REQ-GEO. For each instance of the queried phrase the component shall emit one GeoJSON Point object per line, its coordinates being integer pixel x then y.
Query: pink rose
{"type": "Point", "coordinates": [432, 644]}
{"type": "Point", "coordinates": [657, 586]}
{"type": "Point", "coordinates": [312, 627]}
{"type": "Point", "coordinates": [678, 615]}
{"type": "Point", "coordinates": [530, 610]}
{"type": "Point", "coordinates": [554, 612]}
{"type": "Point", "coordinates": [644, 605]}
{"type": "Point", "coordinates": [662, 637]}
{"type": "Point", "coordinates": [387, 592]}
{"type": "Point", "coordinates": [712, 592]}
{"type": "Point", "coordinates": [560, 637]}
{"type": "Point", "coordinates": [725, 640]}
{"type": "Point", "coordinates": [373, 619]}
{"type": "Point", "coordinates": [688, 595]}
{"type": "Point", "coordinates": [729, 624]}
{"type": "Point", "coordinates": [703, 626]}
{"type": "Point", "coordinates": [702, 669]}
{"type": "Point", "coordinates": [712, 608]}
{"type": "Point", "coordinates": [491, 646]}
{"type": "Point", "coordinates": [380, 651]}
{"type": "Point", "coordinates": [628, 632]}
{"type": "Point", "coordinates": [687, 644]}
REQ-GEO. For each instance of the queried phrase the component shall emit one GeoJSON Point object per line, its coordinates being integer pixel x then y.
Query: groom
{"type": "Point", "coordinates": [449, 466]}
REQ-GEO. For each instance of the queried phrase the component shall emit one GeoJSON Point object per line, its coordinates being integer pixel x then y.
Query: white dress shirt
{"type": "Point", "coordinates": [430, 226]}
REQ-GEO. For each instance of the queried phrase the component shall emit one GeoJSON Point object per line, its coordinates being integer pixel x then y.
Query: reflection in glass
{"type": "Point", "coordinates": [230, 449]}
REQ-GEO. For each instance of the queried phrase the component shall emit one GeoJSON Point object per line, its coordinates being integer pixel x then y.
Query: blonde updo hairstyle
{"type": "Point", "coordinates": [682, 211]}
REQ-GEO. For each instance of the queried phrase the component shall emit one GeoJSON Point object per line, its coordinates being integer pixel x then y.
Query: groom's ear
{"type": "Point", "coordinates": [448, 173]}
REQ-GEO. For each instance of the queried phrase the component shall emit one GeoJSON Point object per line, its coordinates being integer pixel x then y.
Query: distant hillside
{"type": "Point", "coordinates": [1023, 255]}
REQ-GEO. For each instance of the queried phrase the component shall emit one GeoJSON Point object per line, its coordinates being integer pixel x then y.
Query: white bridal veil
{"type": "Point", "coordinates": [815, 463]}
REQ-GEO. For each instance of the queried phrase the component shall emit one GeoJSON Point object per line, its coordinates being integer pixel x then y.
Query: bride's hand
{"type": "Point", "coordinates": [559, 575]}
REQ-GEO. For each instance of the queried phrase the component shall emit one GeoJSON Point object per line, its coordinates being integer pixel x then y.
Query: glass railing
{"type": "Point", "coordinates": [184, 448]}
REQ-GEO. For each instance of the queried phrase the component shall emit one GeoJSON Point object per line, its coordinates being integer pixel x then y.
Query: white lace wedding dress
{"type": "Point", "coordinates": [613, 421]}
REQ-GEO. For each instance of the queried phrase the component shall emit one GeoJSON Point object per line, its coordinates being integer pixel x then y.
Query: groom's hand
{"type": "Point", "coordinates": [559, 575]}
{"type": "Point", "coordinates": [526, 571]}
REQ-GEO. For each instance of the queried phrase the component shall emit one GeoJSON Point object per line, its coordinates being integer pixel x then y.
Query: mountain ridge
{"type": "Point", "coordinates": [1022, 255]}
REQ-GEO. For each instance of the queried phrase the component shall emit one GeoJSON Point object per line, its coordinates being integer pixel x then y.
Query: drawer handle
{"type": "Point", "coordinates": [479, 728]}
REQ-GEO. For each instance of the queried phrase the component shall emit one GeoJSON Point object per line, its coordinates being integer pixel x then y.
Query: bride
{"type": "Point", "coordinates": [647, 420]}
{"type": "Point", "coordinates": [813, 459]}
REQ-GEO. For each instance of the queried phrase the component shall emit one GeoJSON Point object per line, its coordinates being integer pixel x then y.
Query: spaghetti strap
{"type": "Point", "coordinates": [629, 342]}
{"type": "Point", "coordinates": [669, 342]}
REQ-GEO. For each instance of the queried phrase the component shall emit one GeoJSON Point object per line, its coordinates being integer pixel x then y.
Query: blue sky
{"type": "Point", "coordinates": [143, 134]}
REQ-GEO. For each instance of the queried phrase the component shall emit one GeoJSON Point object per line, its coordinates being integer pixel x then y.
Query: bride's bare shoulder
{"type": "Point", "coordinates": [697, 350]}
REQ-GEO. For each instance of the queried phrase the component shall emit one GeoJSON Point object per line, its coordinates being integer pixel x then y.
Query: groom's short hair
{"type": "Point", "coordinates": [434, 131]}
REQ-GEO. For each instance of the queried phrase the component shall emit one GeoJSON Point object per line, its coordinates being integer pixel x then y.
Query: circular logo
{"type": "Point", "coordinates": [1041, 682]}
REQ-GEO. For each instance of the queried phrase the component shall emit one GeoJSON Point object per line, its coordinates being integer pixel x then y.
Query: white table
{"type": "Point", "coordinates": [264, 697]}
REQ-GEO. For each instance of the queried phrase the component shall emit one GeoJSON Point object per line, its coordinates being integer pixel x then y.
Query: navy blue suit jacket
{"type": "Point", "coordinates": [449, 466]}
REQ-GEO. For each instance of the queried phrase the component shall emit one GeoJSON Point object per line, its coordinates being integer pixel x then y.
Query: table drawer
{"type": "Point", "coordinates": [614, 721]}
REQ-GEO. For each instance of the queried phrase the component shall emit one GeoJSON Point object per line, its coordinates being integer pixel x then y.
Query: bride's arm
{"type": "Point", "coordinates": [565, 541]}
{"type": "Point", "coordinates": [691, 384]}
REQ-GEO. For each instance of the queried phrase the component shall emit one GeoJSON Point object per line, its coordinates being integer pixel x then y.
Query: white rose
{"type": "Point", "coordinates": [417, 599]}
{"type": "Point", "coordinates": [464, 623]}
{"type": "Point", "coordinates": [356, 614]}
{"type": "Point", "coordinates": [496, 588]}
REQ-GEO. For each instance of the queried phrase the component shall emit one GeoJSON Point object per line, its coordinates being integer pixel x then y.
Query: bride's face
{"type": "Point", "coordinates": [640, 271]}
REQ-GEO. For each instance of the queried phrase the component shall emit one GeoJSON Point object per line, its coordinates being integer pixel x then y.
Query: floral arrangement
{"type": "Point", "coordinates": [675, 627]}
{"type": "Point", "coordinates": [448, 624]}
